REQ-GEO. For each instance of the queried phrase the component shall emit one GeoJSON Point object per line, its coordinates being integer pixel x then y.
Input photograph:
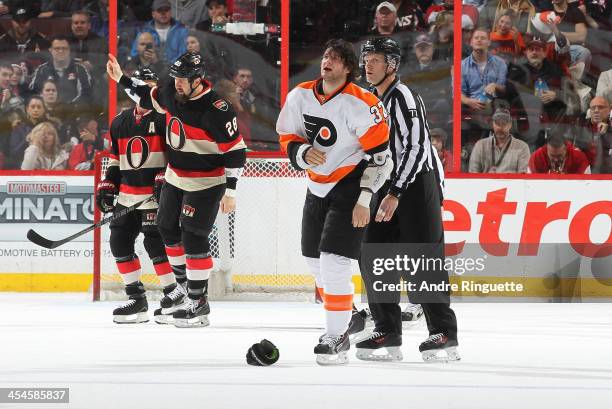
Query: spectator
{"type": "Point", "coordinates": [44, 151]}
{"type": "Point", "coordinates": [385, 19]}
{"type": "Point", "coordinates": [523, 11]}
{"type": "Point", "coordinates": [60, 8]}
{"type": "Point", "coordinates": [72, 78]}
{"type": "Point", "coordinates": [141, 9]}
{"type": "Point", "coordinates": [558, 156]}
{"type": "Point", "coordinates": [85, 46]}
{"type": "Point", "coordinates": [545, 28]}
{"type": "Point", "coordinates": [573, 25]}
{"type": "Point", "coordinates": [500, 152]}
{"type": "Point", "coordinates": [442, 34]}
{"type": "Point", "coordinates": [82, 155]}
{"type": "Point", "coordinates": [6, 71]}
{"type": "Point", "coordinates": [506, 42]}
{"type": "Point", "coordinates": [217, 14]}
{"type": "Point", "coordinates": [431, 79]}
{"type": "Point", "coordinates": [190, 12]}
{"type": "Point", "coordinates": [431, 14]}
{"type": "Point", "coordinates": [483, 75]}
{"type": "Point", "coordinates": [193, 43]}
{"type": "Point", "coordinates": [438, 140]}
{"type": "Point", "coordinates": [35, 114]}
{"type": "Point", "coordinates": [594, 136]}
{"type": "Point", "coordinates": [534, 91]}
{"type": "Point", "coordinates": [22, 39]}
{"type": "Point", "coordinates": [604, 83]}
{"type": "Point", "coordinates": [19, 86]}
{"type": "Point", "coordinates": [169, 34]}
{"type": "Point", "coordinates": [4, 9]}
{"type": "Point", "coordinates": [147, 55]}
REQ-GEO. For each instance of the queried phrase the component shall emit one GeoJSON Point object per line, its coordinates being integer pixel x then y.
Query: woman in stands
{"type": "Point", "coordinates": [35, 114]}
{"type": "Point", "coordinates": [44, 151]}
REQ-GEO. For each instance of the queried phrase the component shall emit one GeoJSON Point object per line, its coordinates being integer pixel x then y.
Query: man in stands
{"type": "Point", "coordinates": [85, 46]}
{"type": "Point", "coordinates": [22, 39]}
{"type": "Point", "coordinates": [558, 156]}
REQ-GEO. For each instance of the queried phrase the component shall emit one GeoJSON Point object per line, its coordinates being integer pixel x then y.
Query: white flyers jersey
{"type": "Point", "coordinates": [345, 125]}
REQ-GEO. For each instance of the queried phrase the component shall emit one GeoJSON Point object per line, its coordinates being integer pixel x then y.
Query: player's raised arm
{"type": "Point", "coordinates": [144, 92]}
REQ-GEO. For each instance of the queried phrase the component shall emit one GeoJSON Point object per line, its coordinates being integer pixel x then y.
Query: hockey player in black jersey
{"type": "Point", "coordinates": [205, 156]}
{"type": "Point", "coordinates": [409, 211]}
{"type": "Point", "coordinates": [137, 155]}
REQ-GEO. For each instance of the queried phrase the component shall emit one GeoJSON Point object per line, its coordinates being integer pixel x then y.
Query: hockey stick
{"type": "Point", "coordinates": [51, 244]}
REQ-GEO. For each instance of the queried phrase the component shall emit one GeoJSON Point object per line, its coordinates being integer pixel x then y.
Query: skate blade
{"type": "Point", "coordinates": [164, 319]}
{"type": "Point", "coordinates": [138, 318]}
{"type": "Point", "coordinates": [451, 355]}
{"type": "Point", "coordinates": [201, 321]}
{"type": "Point", "coordinates": [389, 354]}
{"type": "Point", "coordinates": [330, 360]}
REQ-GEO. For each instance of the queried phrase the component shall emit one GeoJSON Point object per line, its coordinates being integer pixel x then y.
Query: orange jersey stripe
{"type": "Point", "coordinates": [360, 93]}
{"type": "Point", "coordinates": [335, 176]}
{"type": "Point", "coordinates": [285, 139]}
{"type": "Point", "coordinates": [333, 302]}
{"type": "Point", "coordinates": [375, 136]}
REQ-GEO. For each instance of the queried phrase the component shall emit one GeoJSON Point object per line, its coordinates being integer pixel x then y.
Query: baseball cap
{"type": "Point", "coordinates": [439, 132]}
{"type": "Point", "coordinates": [158, 4]}
{"type": "Point", "coordinates": [386, 4]}
{"type": "Point", "coordinates": [502, 114]}
{"type": "Point", "coordinates": [21, 13]}
{"type": "Point", "coordinates": [534, 40]}
{"type": "Point", "coordinates": [423, 39]}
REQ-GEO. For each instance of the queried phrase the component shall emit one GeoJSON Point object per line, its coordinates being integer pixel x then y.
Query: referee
{"type": "Point", "coordinates": [410, 212]}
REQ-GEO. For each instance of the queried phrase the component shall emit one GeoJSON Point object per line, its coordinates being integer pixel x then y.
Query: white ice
{"type": "Point", "coordinates": [513, 356]}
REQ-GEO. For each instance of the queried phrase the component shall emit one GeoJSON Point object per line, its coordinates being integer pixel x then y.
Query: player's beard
{"type": "Point", "coordinates": [180, 98]}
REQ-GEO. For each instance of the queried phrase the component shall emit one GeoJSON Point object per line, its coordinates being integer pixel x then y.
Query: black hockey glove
{"type": "Point", "coordinates": [160, 179]}
{"type": "Point", "coordinates": [105, 196]}
{"type": "Point", "coordinates": [264, 353]}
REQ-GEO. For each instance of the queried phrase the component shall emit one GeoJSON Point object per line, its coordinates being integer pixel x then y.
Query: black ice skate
{"type": "Point", "coordinates": [332, 349]}
{"type": "Point", "coordinates": [411, 315]}
{"type": "Point", "coordinates": [175, 297]}
{"type": "Point", "coordinates": [133, 312]}
{"type": "Point", "coordinates": [194, 313]}
{"type": "Point", "coordinates": [439, 348]}
{"type": "Point", "coordinates": [380, 346]}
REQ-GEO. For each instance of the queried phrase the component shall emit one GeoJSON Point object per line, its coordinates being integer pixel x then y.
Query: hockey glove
{"type": "Point", "coordinates": [105, 196]}
{"type": "Point", "coordinates": [160, 179]}
{"type": "Point", "coordinates": [263, 353]}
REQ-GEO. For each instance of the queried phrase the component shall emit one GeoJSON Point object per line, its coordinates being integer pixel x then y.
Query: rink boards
{"type": "Point", "coordinates": [540, 233]}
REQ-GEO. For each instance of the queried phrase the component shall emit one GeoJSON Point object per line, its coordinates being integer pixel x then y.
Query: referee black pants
{"type": "Point", "coordinates": [417, 220]}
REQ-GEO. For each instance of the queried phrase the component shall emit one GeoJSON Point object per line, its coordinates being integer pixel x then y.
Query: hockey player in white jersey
{"type": "Point", "coordinates": [338, 133]}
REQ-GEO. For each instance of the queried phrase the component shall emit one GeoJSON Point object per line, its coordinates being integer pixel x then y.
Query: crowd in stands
{"type": "Point", "coordinates": [53, 84]}
{"type": "Point", "coordinates": [535, 86]}
{"type": "Point", "coordinates": [536, 75]}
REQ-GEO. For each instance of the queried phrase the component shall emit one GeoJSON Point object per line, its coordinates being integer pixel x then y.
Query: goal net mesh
{"type": "Point", "coordinates": [256, 249]}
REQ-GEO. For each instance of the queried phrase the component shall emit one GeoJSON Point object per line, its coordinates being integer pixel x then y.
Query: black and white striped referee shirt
{"type": "Point", "coordinates": [409, 139]}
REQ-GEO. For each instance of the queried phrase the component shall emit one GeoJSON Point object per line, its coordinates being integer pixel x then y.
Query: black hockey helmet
{"type": "Point", "coordinates": [189, 65]}
{"type": "Point", "coordinates": [382, 45]}
{"type": "Point", "coordinates": [145, 74]}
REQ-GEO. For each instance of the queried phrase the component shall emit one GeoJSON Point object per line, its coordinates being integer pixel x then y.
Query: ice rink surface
{"type": "Point", "coordinates": [513, 356]}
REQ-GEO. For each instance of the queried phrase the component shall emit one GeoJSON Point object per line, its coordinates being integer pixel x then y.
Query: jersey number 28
{"type": "Point", "coordinates": [232, 127]}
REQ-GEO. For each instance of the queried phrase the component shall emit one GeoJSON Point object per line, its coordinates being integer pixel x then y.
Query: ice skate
{"type": "Point", "coordinates": [194, 313]}
{"type": "Point", "coordinates": [174, 298]}
{"type": "Point", "coordinates": [332, 349]}
{"type": "Point", "coordinates": [439, 348]}
{"type": "Point", "coordinates": [380, 346]}
{"type": "Point", "coordinates": [411, 315]}
{"type": "Point", "coordinates": [132, 312]}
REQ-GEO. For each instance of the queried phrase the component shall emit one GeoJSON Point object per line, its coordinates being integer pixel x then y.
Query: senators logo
{"type": "Point", "coordinates": [175, 134]}
{"type": "Point", "coordinates": [188, 210]}
{"type": "Point", "coordinates": [220, 105]}
{"type": "Point", "coordinates": [320, 130]}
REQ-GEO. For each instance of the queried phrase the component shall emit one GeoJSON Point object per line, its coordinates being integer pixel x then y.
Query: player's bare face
{"type": "Point", "coordinates": [182, 86]}
{"type": "Point", "coordinates": [375, 67]}
{"type": "Point", "coordinates": [332, 68]}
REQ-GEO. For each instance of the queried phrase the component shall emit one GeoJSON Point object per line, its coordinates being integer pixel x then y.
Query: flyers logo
{"type": "Point", "coordinates": [320, 130]}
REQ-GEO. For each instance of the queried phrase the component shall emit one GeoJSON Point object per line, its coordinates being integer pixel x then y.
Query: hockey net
{"type": "Point", "coordinates": [256, 249]}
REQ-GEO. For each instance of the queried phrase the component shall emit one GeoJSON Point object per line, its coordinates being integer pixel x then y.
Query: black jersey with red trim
{"type": "Point", "coordinates": [137, 154]}
{"type": "Point", "coordinates": [205, 148]}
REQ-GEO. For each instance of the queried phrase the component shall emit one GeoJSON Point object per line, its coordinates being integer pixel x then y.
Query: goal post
{"type": "Point", "coordinates": [256, 249]}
